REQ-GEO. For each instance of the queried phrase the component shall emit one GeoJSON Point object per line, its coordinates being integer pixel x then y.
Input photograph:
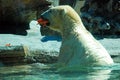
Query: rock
{"type": "Point", "coordinates": [13, 51]}
{"type": "Point", "coordinates": [101, 13]}
{"type": "Point", "coordinates": [13, 54]}
{"type": "Point", "coordinates": [16, 15]}
{"type": "Point", "coordinates": [43, 56]}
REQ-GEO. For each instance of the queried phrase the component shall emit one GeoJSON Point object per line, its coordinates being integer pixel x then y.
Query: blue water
{"type": "Point", "coordinates": [36, 72]}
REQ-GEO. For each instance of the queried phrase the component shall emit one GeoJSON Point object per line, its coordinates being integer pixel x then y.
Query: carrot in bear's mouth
{"type": "Point", "coordinates": [42, 22]}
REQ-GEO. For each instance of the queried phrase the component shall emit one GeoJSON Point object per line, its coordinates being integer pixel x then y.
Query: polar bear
{"type": "Point", "coordinates": [79, 48]}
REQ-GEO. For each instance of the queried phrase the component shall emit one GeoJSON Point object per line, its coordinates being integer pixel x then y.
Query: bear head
{"type": "Point", "coordinates": [58, 17]}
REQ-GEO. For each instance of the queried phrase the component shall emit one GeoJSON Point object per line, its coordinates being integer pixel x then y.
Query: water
{"type": "Point", "coordinates": [37, 71]}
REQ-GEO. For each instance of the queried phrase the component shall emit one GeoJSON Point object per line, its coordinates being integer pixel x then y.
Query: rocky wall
{"type": "Point", "coordinates": [101, 16]}
{"type": "Point", "coordinates": [15, 15]}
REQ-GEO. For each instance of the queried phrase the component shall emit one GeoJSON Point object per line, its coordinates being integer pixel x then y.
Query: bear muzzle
{"type": "Point", "coordinates": [43, 22]}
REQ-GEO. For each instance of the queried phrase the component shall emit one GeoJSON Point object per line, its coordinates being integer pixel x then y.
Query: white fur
{"type": "Point", "coordinates": [79, 47]}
